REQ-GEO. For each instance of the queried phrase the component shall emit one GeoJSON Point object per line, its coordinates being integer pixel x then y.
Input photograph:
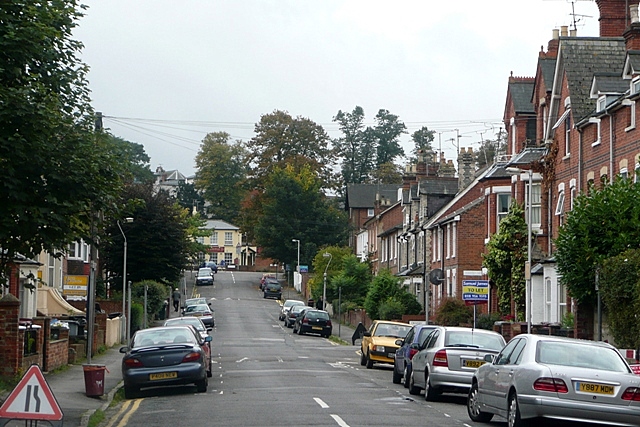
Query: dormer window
{"type": "Point", "coordinates": [635, 85]}
{"type": "Point", "coordinates": [601, 104]}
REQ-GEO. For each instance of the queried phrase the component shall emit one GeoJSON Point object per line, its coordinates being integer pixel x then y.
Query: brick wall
{"type": "Point", "coordinates": [10, 343]}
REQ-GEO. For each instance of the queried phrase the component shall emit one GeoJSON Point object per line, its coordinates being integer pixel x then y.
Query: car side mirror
{"type": "Point", "coordinates": [124, 349]}
{"type": "Point", "coordinates": [489, 358]}
{"type": "Point", "coordinates": [366, 334]}
{"type": "Point", "coordinates": [415, 346]}
{"type": "Point", "coordinates": [208, 338]}
{"type": "Point", "coordinates": [399, 343]}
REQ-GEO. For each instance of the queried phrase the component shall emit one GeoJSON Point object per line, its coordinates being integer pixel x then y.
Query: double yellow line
{"type": "Point", "coordinates": [129, 407]}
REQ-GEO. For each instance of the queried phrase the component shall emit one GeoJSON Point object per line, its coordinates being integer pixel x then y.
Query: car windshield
{"type": "Point", "coordinates": [203, 272]}
{"type": "Point", "coordinates": [195, 301]}
{"type": "Point", "coordinates": [473, 338]}
{"type": "Point", "coordinates": [194, 321]}
{"type": "Point", "coordinates": [392, 330]}
{"type": "Point", "coordinates": [197, 308]}
{"type": "Point", "coordinates": [161, 336]}
{"type": "Point", "coordinates": [580, 355]}
{"type": "Point", "coordinates": [317, 315]}
{"type": "Point", "coordinates": [292, 302]}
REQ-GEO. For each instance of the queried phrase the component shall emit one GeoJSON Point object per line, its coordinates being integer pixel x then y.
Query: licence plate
{"type": "Point", "coordinates": [316, 328]}
{"type": "Point", "coordinates": [595, 388]}
{"type": "Point", "coordinates": [163, 376]}
{"type": "Point", "coordinates": [391, 355]}
{"type": "Point", "coordinates": [473, 363]}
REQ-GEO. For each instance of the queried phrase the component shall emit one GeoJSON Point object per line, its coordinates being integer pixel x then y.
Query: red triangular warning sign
{"type": "Point", "coordinates": [31, 399]}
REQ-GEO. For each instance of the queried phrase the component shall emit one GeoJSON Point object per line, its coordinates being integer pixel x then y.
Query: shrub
{"type": "Point", "coordinates": [487, 320]}
{"type": "Point", "coordinates": [390, 309]}
{"type": "Point", "coordinates": [453, 312]}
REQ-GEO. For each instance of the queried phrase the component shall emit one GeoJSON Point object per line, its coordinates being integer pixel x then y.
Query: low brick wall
{"type": "Point", "coordinates": [58, 353]}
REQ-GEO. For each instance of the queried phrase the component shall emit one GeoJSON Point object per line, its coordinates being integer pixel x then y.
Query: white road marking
{"type": "Point", "coordinates": [241, 360]}
{"type": "Point", "coordinates": [447, 415]}
{"type": "Point", "coordinates": [339, 420]}
{"type": "Point", "coordinates": [280, 360]}
{"type": "Point", "coordinates": [321, 403]}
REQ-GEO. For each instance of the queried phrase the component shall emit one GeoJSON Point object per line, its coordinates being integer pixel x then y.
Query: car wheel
{"type": "Point", "coordinates": [300, 332]}
{"type": "Point", "coordinates": [473, 406]}
{"type": "Point", "coordinates": [209, 371]}
{"type": "Point", "coordinates": [397, 378]}
{"type": "Point", "coordinates": [430, 393]}
{"type": "Point", "coordinates": [412, 386]}
{"type": "Point", "coordinates": [407, 374]}
{"type": "Point", "coordinates": [130, 392]}
{"type": "Point", "coordinates": [202, 385]}
{"type": "Point", "coordinates": [513, 412]}
{"type": "Point", "coordinates": [363, 360]}
{"type": "Point", "coordinates": [369, 361]}
{"type": "Point", "coordinates": [264, 296]}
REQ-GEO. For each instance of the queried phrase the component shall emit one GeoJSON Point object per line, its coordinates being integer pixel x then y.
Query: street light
{"type": "Point", "coordinates": [324, 286]}
{"type": "Point", "coordinates": [527, 269]}
{"type": "Point", "coordinates": [298, 265]}
{"type": "Point", "coordinates": [123, 327]}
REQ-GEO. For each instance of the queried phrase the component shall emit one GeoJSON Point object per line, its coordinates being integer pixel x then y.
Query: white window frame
{"type": "Point", "coordinates": [562, 301]}
{"type": "Point", "coordinates": [560, 204]}
{"type": "Point", "coordinates": [512, 124]}
{"type": "Point", "coordinates": [448, 241]}
{"type": "Point", "coordinates": [228, 238]}
{"type": "Point", "coordinates": [635, 85]}
{"type": "Point", "coordinates": [567, 135]}
{"type": "Point", "coordinates": [548, 296]}
{"type": "Point", "coordinates": [228, 258]}
{"type": "Point", "coordinates": [536, 205]}
{"type": "Point", "coordinates": [601, 103]}
{"type": "Point", "coordinates": [214, 238]}
{"type": "Point", "coordinates": [370, 212]}
{"type": "Point", "coordinates": [632, 112]}
{"type": "Point", "coordinates": [502, 210]}
{"type": "Point", "coordinates": [454, 240]}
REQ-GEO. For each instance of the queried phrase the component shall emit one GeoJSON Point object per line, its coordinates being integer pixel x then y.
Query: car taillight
{"type": "Point", "coordinates": [305, 321]}
{"type": "Point", "coordinates": [632, 393]}
{"type": "Point", "coordinates": [133, 363]}
{"type": "Point", "coordinates": [550, 384]}
{"type": "Point", "coordinates": [191, 357]}
{"type": "Point", "coordinates": [412, 352]}
{"type": "Point", "coordinates": [328, 322]}
{"type": "Point", "coordinates": [440, 358]}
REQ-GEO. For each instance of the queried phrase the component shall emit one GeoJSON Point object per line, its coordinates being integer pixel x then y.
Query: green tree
{"type": "Point", "coordinates": [190, 198]}
{"type": "Point", "coordinates": [293, 207]}
{"type": "Point", "coordinates": [56, 173]}
{"type": "Point", "coordinates": [422, 140]}
{"type": "Point", "coordinates": [333, 264]}
{"type": "Point", "coordinates": [505, 258]}
{"type": "Point", "coordinates": [388, 130]}
{"type": "Point", "coordinates": [132, 157]}
{"type": "Point", "coordinates": [221, 173]}
{"type": "Point", "coordinates": [354, 278]}
{"type": "Point", "coordinates": [282, 140]}
{"type": "Point", "coordinates": [356, 148]}
{"type": "Point", "coordinates": [157, 294]}
{"type": "Point", "coordinates": [619, 286]}
{"type": "Point", "coordinates": [601, 225]}
{"type": "Point", "coordinates": [387, 289]}
{"type": "Point", "coordinates": [387, 173]}
{"type": "Point", "coordinates": [454, 312]}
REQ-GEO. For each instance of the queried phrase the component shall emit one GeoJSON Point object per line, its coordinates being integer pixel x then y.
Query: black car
{"type": "Point", "coordinates": [204, 277]}
{"type": "Point", "coordinates": [165, 356]}
{"type": "Point", "coordinates": [313, 322]}
{"type": "Point", "coordinates": [212, 265]}
{"type": "Point", "coordinates": [293, 314]}
{"type": "Point", "coordinates": [272, 290]}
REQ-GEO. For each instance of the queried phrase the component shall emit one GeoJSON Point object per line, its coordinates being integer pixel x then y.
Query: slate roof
{"type": "Point", "coordinates": [528, 155]}
{"type": "Point", "coordinates": [439, 186]}
{"type": "Point", "coordinates": [632, 63]}
{"type": "Point", "coordinates": [582, 58]}
{"type": "Point", "coordinates": [548, 68]}
{"type": "Point", "coordinates": [609, 83]}
{"type": "Point", "coordinates": [218, 224]}
{"type": "Point", "coordinates": [521, 93]}
{"type": "Point", "coordinates": [361, 196]}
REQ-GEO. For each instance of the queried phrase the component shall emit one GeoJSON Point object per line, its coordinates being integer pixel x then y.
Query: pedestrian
{"type": "Point", "coordinates": [176, 299]}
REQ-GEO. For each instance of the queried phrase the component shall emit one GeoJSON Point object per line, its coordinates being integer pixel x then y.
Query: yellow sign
{"type": "Point", "coordinates": [76, 280]}
{"type": "Point", "coordinates": [75, 285]}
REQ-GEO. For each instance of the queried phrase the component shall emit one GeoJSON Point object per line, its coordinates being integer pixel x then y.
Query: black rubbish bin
{"type": "Point", "coordinates": [94, 379]}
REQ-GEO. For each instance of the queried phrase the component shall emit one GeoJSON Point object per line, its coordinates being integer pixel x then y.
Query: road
{"type": "Point", "coordinates": [264, 375]}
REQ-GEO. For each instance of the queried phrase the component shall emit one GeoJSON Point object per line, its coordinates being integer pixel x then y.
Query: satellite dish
{"type": "Point", "coordinates": [436, 276]}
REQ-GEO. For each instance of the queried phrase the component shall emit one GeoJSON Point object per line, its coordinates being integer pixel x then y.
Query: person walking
{"type": "Point", "coordinates": [176, 299]}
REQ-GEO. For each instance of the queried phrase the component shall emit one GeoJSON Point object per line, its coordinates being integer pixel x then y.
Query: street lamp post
{"type": "Point", "coordinates": [123, 327]}
{"type": "Point", "coordinates": [298, 265]}
{"type": "Point", "coordinates": [527, 270]}
{"type": "Point", "coordinates": [324, 286]}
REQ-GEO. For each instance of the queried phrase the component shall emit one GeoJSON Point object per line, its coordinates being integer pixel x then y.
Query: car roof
{"type": "Point", "coordinates": [391, 322]}
{"type": "Point", "coordinates": [565, 339]}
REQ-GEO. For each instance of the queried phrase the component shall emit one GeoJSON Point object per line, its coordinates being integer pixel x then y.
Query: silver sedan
{"type": "Point", "coordinates": [539, 376]}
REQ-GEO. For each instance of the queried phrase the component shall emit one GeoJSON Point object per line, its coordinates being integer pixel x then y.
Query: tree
{"type": "Point", "coordinates": [602, 224]}
{"type": "Point", "coordinates": [56, 174]}
{"type": "Point", "coordinates": [488, 151]}
{"type": "Point", "coordinates": [504, 260]}
{"type": "Point", "coordinates": [356, 147]}
{"type": "Point", "coordinates": [132, 157]}
{"type": "Point", "coordinates": [221, 175]}
{"type": "Point", "coordinates": [293, 207]}
{"type": "Point", "coordinates": [190, 198]}
{"type": "Point", "coordinates": [334, 264]}
{"type": "Point", "coordinates": [388, 130]}
{"type": "Point", "coordinates": [386, 290]}
{"type": "Point", "coordinates": [387, 173]}
{"type": "Point", "coordinates": [453, 312]}
{"type": "Point", "coordinates": [282, 140]}
{"type": "Point", "coordinates": [422, 139]}
{"type": "Point", "coordinates": [354, 278]}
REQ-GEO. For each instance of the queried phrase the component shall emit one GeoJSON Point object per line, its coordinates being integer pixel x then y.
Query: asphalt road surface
{"type": "Point", "coordinates": [264, 375]}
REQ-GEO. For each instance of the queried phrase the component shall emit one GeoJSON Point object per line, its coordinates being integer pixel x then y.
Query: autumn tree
{"type": "Point", "coordinates": [56, 173]}
{"type": "Point", "coordinates": [221, 174]}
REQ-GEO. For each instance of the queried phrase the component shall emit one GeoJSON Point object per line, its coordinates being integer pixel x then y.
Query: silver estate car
{"type": "Point", "coordinates": [449, 358]}
{"type": "Point", "coordinates": [540, 376]}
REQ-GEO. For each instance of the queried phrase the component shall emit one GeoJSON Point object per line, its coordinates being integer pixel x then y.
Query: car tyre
{"type": "Point", "coordinates": [473, 406]}
{"type": "Point", "coordinates": [369, 361]}
{"type": "Point", "coordinates": [202, 385]}
{"type": "Point", "coordinates": [413, 389]}
{"type": "Point", "coordinates": [209, 371]}
{"type": "Point", "coordinates": [407, 374]}
{"type": "Point", "coordinates": [430, 393]}
{"type": "Point", "coordinates": [300, 332]}
{"type": "Point", "coordinates": [513, 412]}
{"type": "Point", "coordinates": [363, 360]}
{"type": "Point", "coordinates": [130, 392]}
{"type": "Point", "coordinates": [397, 378]}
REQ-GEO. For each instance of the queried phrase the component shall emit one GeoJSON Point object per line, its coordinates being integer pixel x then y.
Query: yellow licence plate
{"type": "Point", "coordinates": [595, 388]}
{"type": "Point", "coordinates": [163, 376]}
{"type": "Point", "coordinates": [316, 328]}
{"type": "Point", "coordinates": [473, 363]}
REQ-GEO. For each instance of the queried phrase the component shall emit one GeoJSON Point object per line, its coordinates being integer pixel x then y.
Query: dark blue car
{"type": "Point", "coordinates": [409, 346]}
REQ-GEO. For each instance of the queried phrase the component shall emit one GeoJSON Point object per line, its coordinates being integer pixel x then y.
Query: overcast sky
{"type": "Point", "coordinates": [167, 72]}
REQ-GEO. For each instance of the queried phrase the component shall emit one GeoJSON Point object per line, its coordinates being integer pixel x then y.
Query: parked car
{"type": "Point", "coordinates": [313, 321]}
{"type": "Point", "coordinates": [541, 376]}
{"type": "Point", "coordinates": [267, 278]}
{"type": "Point", "coordinates": [293, 314]}
{"type": "Point", "coordinates": [286, 306]}
{"type": "Point", "coordinates": [449, 358]}
{"type": "Point", "coordinates": [272, 290]}
{"type": "Point", "coordinates": [409, 347]}
{"type": "Point", "coordinates": [212, 265]}
{"type": "Point", "coordinates": [379, 342]}
{"type": "Point", "coordinates": [204, 277]}
{"type": "Point", "coordinates": [162, 356]}
{"type": "Point", "coordinates": [200, 328]}
{"type": "Point", "coordinates": [194, 301]}
{"type": "Point", "coordinates": [204, 312]}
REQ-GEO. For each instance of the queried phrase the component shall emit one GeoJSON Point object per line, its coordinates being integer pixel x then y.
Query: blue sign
{"type": "Point", "coordinates": [476, 291]}
{"type": "Point", "coordinates": [304, 269]}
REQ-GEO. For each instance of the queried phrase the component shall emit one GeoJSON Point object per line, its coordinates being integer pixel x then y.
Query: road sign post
{"type": "Point", "coordinates": [475, 292]}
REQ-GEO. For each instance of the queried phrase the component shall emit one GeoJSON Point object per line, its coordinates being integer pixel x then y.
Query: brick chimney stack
{"type": "Point", "coordinates": [466, 168]}
{"type": "Point", "coordinates": [632, 34]}
{"type": "Point", "coordinates": [614, 17]}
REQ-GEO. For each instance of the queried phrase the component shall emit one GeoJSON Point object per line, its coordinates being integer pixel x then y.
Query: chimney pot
{"type": "Point", "coordinates": [564, 31]}
{"type": "Point", "coordinates": [555, 34]}
{"type": "Point", "coordinates": [634, 13]}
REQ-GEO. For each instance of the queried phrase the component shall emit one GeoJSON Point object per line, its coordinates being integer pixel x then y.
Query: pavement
{"type": "Point", "coordinates": [68, 385]}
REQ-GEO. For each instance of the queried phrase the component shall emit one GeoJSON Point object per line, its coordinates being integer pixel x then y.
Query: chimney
{"type": "Point", "coordinates": [421, 166]}
{"type": "Point", "coordinates": [564, 31]}
{"type": "Point", "coordinates": [632, 34]}
{"type": "Point", "coordinates": [466, 168]}
{"type": "Point", "coordinates": [614, 17]}
{"type": "Point", "coordinates": [552, 47]}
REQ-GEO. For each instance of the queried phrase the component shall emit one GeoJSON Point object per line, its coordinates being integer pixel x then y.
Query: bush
{"type": "Point", "coordinates": [390, 309]}
{"type": "Point", "coordinates": [137, 316]}
{"type": "Point", "coordinates": [157, 294]}
{"type": "Point", "coordinates": [487, 320]}
{"type": "Point", "coordinates": [453, 312]}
